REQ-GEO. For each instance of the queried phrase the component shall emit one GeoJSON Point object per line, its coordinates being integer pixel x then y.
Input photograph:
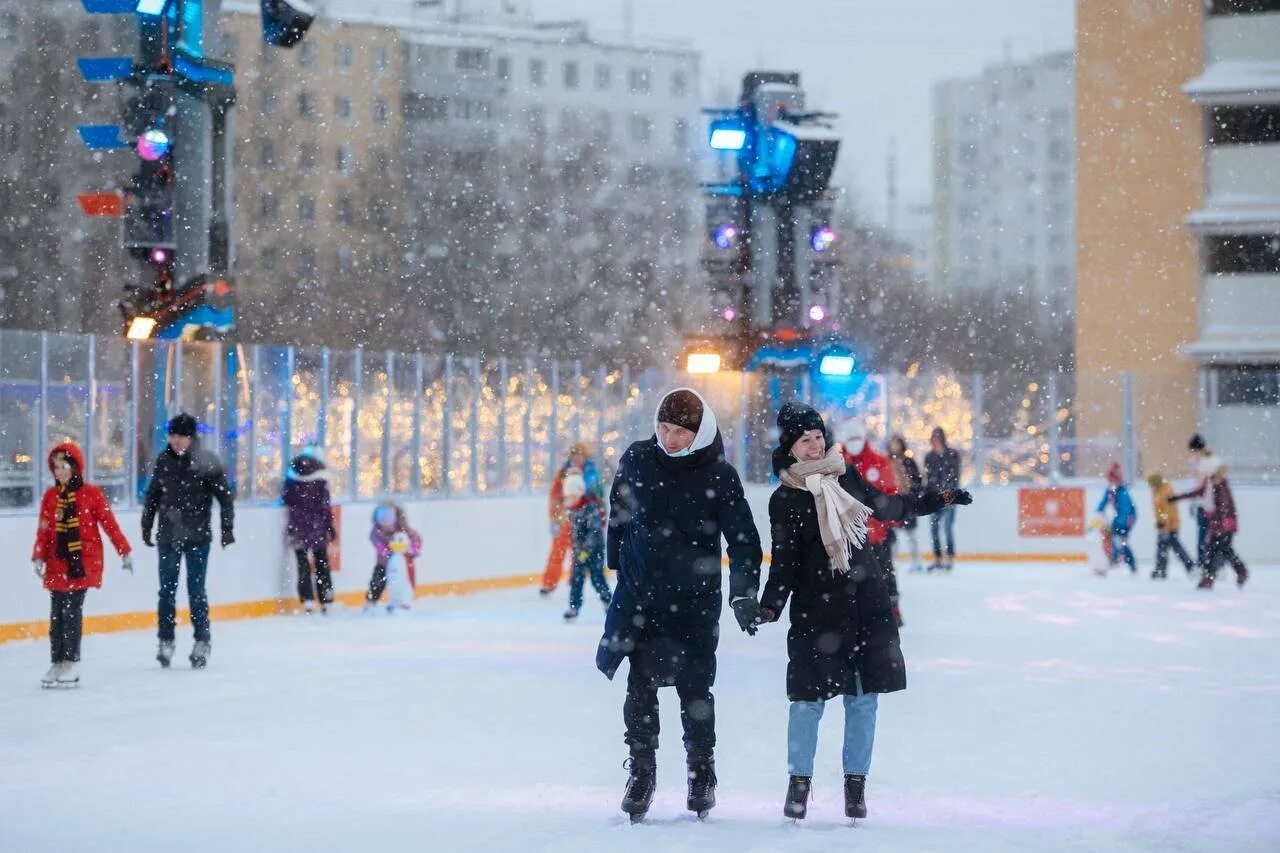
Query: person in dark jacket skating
{"type": "Point", "coordinates": [184, 484]}
{"type": "Point", "coordinates": [942, 473]}
{"type": "Point", "coordinates": [1222, 524]}
{"type": "Point", "coordinates": [306, 496]}
{"type": "Point", "coordinates": [672, 499]}
{"type": "Point", "coordinates": [843, 640]}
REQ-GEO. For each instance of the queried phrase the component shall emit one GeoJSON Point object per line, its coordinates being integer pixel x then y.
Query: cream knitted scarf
{"type": "Point", "coordinates": [842, 519]}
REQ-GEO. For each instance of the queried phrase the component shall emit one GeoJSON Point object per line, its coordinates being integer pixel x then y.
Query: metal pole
{"type": "Point", "coordinates": [353, 427]}
{"type": "Point", "coordinates": [474, 443]}
{"type": "Point", "coordinates": [602, 401]}
{"type": "Point", "coordinates": [286, 428]}
{"type": "Point", "coordinates": [254, 367]}
{"type": "Point", "coordinates": [415, 467]}
{"type": "Point", "coordinates": [886, 405]}
{"type": "Point", "coordinates": [528, 426]}
{"type": "Point", "coordinates": [577, 402]}
{"type": "Point", "coordinates": [1055, 439]}
{"type": "Point", "coordinates": [740, 456]}
{"type": "Point", "coordinates": [42, 420]}
{"type": "Point", "coordinates": [978, 438]}
{"type": "Point", "coordinates": [626, 406]}
{"type": "Point", "coordinates": [446, 428]}
{"type": "Point", "coordinates": [131, 428]}
{"type": "Point", "coordinates": [502, 423]}
{"type": "Point", "coordinates": [90, 469]}
{"type": "Point", "coordinates": [1130, 447]}
{"type": "Point", "coordinates": [177, 377]}
{"type": "Point", "coordinates": [219, 420]}
{"type": "Point", "coordinates": [388, 391]}
{"type": "Point", "coordinates": [553, 433]}
{"type": "Point", "coordinates": [322, 419]}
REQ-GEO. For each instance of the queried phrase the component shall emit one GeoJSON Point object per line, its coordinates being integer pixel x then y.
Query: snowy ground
{"type": "Point", "coordinates": [1047, 710]}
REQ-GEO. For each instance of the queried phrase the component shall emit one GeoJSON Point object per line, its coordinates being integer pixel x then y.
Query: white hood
{"type": "Point", "coordinates": [706, 430]}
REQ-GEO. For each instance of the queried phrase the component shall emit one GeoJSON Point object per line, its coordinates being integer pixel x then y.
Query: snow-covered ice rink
{"type": "Point", "coordinates": [1047, 710]}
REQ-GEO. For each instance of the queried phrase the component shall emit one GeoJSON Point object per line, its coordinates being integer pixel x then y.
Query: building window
{"type": "Point", "coordinates": [269, 103]}
{"type": "Point", "coordinates": [342, 55]}
{"type": "Point", "coordinates": [503, 68]}
{"type": "Point", "coordinates": [1244, 125]}
{"type": "Point", "coordinates": [346, 260]}
{"type": "Point", "coordinates": [679, 84]}
{"type": "Point", "coordinates": [342, 106]}
{"type": "Point", "coordinates": [307, 154]}
{"type": "Point", "coordinates": [269, 259]}
{"type": "Point", "coordinates": [1237, 254]}
{"type": "Point", "coordinates": [267, 153]}
{"type": "Point", "coordinates": [382, 60]}
{"type": "Point", "coordinates": [270, 206]}
{"type": "Point", "coordinates": [382, 162]}
{"type": "Point", "coordinates": [641, 128]}
{"type": "Point", "coordinates": [306, 104]}
{"type": "Point", "coordinates": [381, 111]}
{"type": "Point", "coordinates": [537, 72]}
{"type": "Point", "coordinates": [571, 75]}
{"type": "Point", "coordinates": [472, 59]}
{"type": "Point", "coordinates": [230, 47]}
{"type": "Point", "coordinates": [425, 107]}
{"type": "Point", "coordinates": [1242, 7]}
{"type": "Point", "coordinates": [306, 262]}
{"type": "Point", "coordinates": [382, 214]}
{"type": "Point", "coordinates": [604, 127]}
{"type": "Point", "coordinates": [306, 209]}
{"type": "Point", "coordinates": [344, 213]}
{"type": "Point", "coordinates": [680, 134]}
{"type": "Point", "coordinates": [346, 161]}
{"type": "Point", "coordinates": [306, 54]}
{"type": "Point", "coordinates": [604, 76]}
{"type": "Point", "coordinates": [468, 162]}
{"type": "Point", "coordinates": [638, 80]}
{"type": "Point", "coordinates": [1249, 385]}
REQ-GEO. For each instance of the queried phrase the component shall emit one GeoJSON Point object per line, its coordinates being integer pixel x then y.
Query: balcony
{"type": "Point", "coordinates": [1239, 318]}
{"type": "Point", "coordinates": [1241, 38]}
{"type": "Point", "coordinates": [1243, 175]}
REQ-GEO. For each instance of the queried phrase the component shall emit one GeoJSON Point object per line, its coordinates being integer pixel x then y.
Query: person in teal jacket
{"type": "Point", "coordinates": [1125, 514]}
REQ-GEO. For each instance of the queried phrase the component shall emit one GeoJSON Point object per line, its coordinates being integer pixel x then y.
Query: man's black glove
{"type": "Point", "coordinates": [747, 612]}
{"type": "Point", "coordinates": [228, 538]}
{"type": "Point", "coordinates": [958, 496]}
{"type": "Point", "coordinates": [146, 538]}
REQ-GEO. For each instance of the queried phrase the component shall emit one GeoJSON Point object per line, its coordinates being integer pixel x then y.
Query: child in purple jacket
{"type": "Point", "coordinates": [388, 520]}
{"type": "Point", "coordinates": [306, 495]}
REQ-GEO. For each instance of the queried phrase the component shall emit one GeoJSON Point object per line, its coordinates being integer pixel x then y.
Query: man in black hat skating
{"type": "Point", "coordinates": [673, 498]}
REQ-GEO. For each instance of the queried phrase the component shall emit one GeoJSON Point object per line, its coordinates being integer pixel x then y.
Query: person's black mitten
{"type": "Point", "coordinates": [747, 612]}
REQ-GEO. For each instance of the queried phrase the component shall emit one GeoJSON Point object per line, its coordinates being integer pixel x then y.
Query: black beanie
{"type": "Point", "coordinates": [1196, 442]}
{"type": "Point", "coordinates": [794, 420]}
{"type": "Point", "coordinates": [182, 424]}
{"type": "Point", "coordinates": [682, 408]}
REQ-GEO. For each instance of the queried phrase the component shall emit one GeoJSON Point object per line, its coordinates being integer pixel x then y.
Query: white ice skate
{"type": "Point", "coordinates": [164, 654]}
{"type": "Point", "coordinates": [51, 677]}
{"type": "Point", "coordinates": [200, 655]}
{"type": "Point", "coordinates": [69, 675]}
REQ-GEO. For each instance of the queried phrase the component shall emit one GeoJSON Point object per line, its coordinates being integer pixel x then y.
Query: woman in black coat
{"type": "Point", "coordinates": [843, 640]}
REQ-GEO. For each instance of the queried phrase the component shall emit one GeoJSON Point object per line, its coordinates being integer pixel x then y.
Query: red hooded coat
{"type": "Point", "coordinates": [93, 510]}
{"type": "Point", "coordinates": [878, 471]}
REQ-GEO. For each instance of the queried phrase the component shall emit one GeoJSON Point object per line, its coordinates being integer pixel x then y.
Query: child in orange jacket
{"type": "Point", "coordinates": [1167, 524]}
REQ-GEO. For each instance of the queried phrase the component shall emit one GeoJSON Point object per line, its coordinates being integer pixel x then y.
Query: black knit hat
{"type": "Point", "coordinates": [1196, 442]}
{"type": "Point", "coordinates": [182, 424]}
{"type": "Point", "coordinates": [794, 420]}
{"type": "Point", "coordinates": [682, 408]}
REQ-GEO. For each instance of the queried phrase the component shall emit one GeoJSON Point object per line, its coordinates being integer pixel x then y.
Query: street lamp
{"type": "Point", "coordinates": [140, 328]}
{"type": "Point", "coordinates": [703, 362]}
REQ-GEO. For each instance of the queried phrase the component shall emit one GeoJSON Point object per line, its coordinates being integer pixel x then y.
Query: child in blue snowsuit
{"type": "Point", "coordinates": [583, 496]}
{"type": "Point", "coordinates": [1125, 514]}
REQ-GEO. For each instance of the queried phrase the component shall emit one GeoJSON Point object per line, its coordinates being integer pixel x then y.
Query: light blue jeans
{"type": "Point", "coordinates": [859, 733]}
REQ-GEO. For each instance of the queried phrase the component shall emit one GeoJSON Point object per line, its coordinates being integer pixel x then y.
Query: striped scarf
{"type": "Point", "coordinates": [66, 520]}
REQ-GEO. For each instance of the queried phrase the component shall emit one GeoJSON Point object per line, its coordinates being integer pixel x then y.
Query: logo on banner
{"type": "Point", "coordinates": [1050, 512]}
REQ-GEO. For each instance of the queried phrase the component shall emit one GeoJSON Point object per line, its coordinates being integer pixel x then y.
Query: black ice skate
{"type": "Point", "coordinates": [797, 804]}
{"type": "Point", "coordinates": [638, 795]}
{"type": "Point", "coordinates": [165, 653]}
{"type": "Point", "coordinates": [571, 614]}
{"type": "Point", "coordinates": [199, 655]}
{"type": "Point", "coordinates": [855, 803]}
{"type": "Point", "coordinates": [702, 787]}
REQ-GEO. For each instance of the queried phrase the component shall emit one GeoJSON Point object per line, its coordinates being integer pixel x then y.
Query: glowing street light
{"type": "Point", "coordinates": [140, 328]}
{"type": "Point", "coordinates": [836, 365]}
{"type": "Point", "coordinates": [153, 144]}
{"type": "Point", "coordinates": [703, 362]}
{"type": "Point", "coordinates": [817, 313]}
{"type": "Point", "coordinates": [725, 236]}
{"type": "Point", "coordinates": [822, 238]}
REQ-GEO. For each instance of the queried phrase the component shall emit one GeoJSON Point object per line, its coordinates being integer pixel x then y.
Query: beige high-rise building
{"type": "Point", "coordinates": [319, 184]}
{"type": "Point", "coordinates": [1178, 227]}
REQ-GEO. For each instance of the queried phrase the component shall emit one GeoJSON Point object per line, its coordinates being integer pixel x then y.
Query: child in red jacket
{"type": "Point", "coordinates": [68, 556]}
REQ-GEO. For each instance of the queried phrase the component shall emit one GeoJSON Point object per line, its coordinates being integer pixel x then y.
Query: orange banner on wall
{"type": "Point", "coordinates": [335, 547]}
{"type": "Point", "coordinates": [1051, 512]}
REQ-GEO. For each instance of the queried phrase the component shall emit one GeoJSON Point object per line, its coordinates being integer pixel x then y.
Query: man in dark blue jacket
{"type": "Point", "coordinates": [674, 496]}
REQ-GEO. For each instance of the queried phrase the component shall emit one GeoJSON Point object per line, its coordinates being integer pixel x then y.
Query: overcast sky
{"type": "Point", "coordinates": [872, 61]}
